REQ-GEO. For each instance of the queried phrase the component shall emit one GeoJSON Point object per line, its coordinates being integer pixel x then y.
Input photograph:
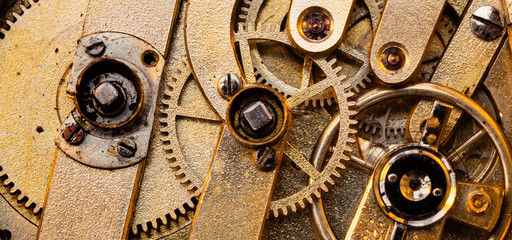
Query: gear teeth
{"type": "Point", "coordinates": [317, 192]}
{"type": "Point", "coordinates": [302, 204]}
{"type": "Point", "coordinates": [309, 198]}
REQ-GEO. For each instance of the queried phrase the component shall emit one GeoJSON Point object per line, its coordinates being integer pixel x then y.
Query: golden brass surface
{"type": "Point", "coordinates": [197, 181]}
{"type": "Point", "coordinates": [337, 13]}
{"type": "Point", "coordinates": [409, 33]}
{"type": "Point", "coordinates": [465, 49]}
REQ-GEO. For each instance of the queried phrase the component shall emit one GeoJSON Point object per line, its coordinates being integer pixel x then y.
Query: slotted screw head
{"type": "Point", "coordinates": [487, 23]}
{"type": "Point", "coordinates": [95, 47]}
{"type": "Point", "coordinates": [127, 148]}
{"type": "Point", "coordinates": [73, 134]}
{"type": "Point", "coordinates": [266, 158]}
{"type": "Point", "coordinates": [228, 85]}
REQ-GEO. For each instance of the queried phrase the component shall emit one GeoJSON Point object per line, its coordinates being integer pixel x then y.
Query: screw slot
{"type": "Point", "coordinates": [150, 58]}
{"type": "Point", "coordinates": [74, 134]}
{"type": "Point", "coordinates": [486, 23]}
{"type": "Point", "coordinates": [95, 47]}
{"type": "Point", "coordinates": [228, 85]}
{"type": "Point", "coordinates": [127, 148]}
{"type": "Point", "coordinates": [266, 158]}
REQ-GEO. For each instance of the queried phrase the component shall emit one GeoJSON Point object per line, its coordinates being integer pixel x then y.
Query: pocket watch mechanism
{"type": "Point", "coordinates": [255, 119]}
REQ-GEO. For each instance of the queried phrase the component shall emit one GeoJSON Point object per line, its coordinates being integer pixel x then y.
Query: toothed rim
{"type": "Point", "coordinates": [247, 31]}
{"type": "Point", "coordinates": [18, 197]}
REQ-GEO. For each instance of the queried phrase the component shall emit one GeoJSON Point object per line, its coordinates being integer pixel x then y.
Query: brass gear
{"type": "Point", "coordinates": [251, 28]}
{"type": "Point", "coordinates": [192, 173]}
{"type": "Point", "coordinates": [41, 105]}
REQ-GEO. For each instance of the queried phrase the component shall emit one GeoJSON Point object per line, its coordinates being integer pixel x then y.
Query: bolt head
{"type": "Point", "coordinates": [95, 47]}
{"type": "Point", "coordinates": [109, 98]}
{"type": "Point", "coordinates": [228, 85]}
{"type": "Point", "coordinates": [127, 148]}
{"type": "Point", "coordinates": [487, 23]}
{"type": "Point", "coordinates": [257, 115]}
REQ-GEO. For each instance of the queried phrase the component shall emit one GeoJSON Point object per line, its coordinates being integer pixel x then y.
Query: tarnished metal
{"type": "Point", "coordinates": [119, 187]}
{"type": "Point", "coordinates": [250, 196]}
{"type": "Point", "coordinates": [479, 204]}
{"type": "Point", "coordinates": [99, 193]}
{"type": "Point", "coordinates": [121, 68]}
{"type": "Point", "coordinates": [150, 20]}
{"type": "Point", "coordinates": [368, 221]}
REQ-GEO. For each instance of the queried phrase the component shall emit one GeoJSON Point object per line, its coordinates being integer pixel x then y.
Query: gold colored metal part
{"type": "Point", "coordinates": [118, 187]}
{"type": "Point", "coordinates": [234, 182]}
{"type": "Point", "coordinates": [369, 223]}
{"type": "Point", "coordinates": [211, 53]}
{"type": "Point", "coordinates": [479, 204]}
{"type": "Point", "coordinates": [27, 159]}
{"type": "Point", "coordinates": [407, 33]}
{"type": "Point", "coordinates": [186, 139]}
{"type": "Point", "coordinates": [75, 189]}
{"type": "Point", "coordinates": [336, 11]}
{"type": "Point", "coordinates": [465, 49]}
{"type": "Point", "coordinates": [148, 19]}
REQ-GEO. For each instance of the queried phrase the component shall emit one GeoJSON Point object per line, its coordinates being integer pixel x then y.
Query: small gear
{"type": "Point", "coordinates": [249, 29]}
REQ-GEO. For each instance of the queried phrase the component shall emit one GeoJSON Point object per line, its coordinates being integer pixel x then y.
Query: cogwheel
{"type": "Point", "coordinates": [10, 11]}
{"type": "Point", "coordinates": [26, 162]}
{"type": "Point", "coordinates": [188, 114]}
{"type": "Point", "coordinates": [249, 24]}
{"type": "Point", "coordinates": [36, 80]}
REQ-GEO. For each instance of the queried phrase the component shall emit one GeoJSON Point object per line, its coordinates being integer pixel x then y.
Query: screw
{"type": "Point", "coordinates": [73, 134]}
{"type": "Point", "coordinates": [392, 177]}
{"type": "Point", "coordinates": [478, 202]}
{"type": "Point", "coordinates": [228, 85]}
{"type": "Point", "coordinates": [266, 158]}
{"type": "Point", "coordinates": [487, 23]}
{"type": "Point", "coordinates": [95, 47]}
{"type": "Point", "coordinates": [126, 148]}
{"type": "Point", "coordinates": [109, 98]}
{"type": "Point", "coordinates": [393, 58]}
{"type": "Point", "coordinates": [437, 192]}
{"type": "Point", "coordinates": [316, 25]}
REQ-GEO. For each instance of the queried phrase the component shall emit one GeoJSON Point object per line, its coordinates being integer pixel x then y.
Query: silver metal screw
{"type": "Point", "coordinates": [95, 47]}
{"type": "Point", "coordinates": [127, 148]}
{"type": "Point", "coordinates": [228, 85]}
{"type": "Point", "coordinates": [487, 23]}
